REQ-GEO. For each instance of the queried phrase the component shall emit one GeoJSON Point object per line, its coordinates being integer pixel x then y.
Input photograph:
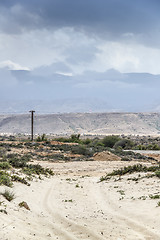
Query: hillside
{"type": "Point", "coordinates": [83, 123]}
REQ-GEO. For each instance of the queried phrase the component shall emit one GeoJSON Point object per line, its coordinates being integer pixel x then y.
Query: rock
{"type": "Point", "coordinates": [25, 205]}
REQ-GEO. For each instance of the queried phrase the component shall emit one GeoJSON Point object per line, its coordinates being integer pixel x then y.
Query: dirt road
{"type": "Point", "coordinates": [74, 205]}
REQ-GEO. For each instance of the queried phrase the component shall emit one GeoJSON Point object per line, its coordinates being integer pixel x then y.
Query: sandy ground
{"type": "Point", "coordinates": [73, 205]}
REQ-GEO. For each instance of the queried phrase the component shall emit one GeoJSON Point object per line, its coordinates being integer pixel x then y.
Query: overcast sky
{"type": "Point", "coordinates": [80, 48]}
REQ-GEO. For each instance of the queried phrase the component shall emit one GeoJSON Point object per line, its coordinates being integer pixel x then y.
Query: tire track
{"type": "Point", "coordinates": [121, 218]}
{"type": "Point", "coordinates": [70, 228]}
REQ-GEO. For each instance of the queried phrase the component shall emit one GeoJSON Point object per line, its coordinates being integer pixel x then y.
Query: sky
{"type": "Point", "coordinates": [79, 55]}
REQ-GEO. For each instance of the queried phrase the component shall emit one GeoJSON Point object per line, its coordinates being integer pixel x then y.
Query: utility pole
{"type": "Point", "coordinates": [32, 113]}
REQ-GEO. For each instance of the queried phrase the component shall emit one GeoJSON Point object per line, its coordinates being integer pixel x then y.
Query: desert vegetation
{"type": "Point", "coordinates": [17, 157]}
{"type": "Point", "coordinates": [127, 182]}
{"type": "Point", "coordinates": [17, 153]}
{"type": "Point", "coordinates": [116, 142]}
{"type": "Point", "coordinates": [17, 166]}
{"type": "Point", "coordinates": [134, 169]}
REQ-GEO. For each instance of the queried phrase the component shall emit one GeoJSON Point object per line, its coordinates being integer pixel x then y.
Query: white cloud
{"type": "Point", "coordinates": [32, 49]}
{"type": "Point", "coordinates": [128, 35]}
{"type": "Point", "coordinates": [12, 66]}
{"type": "Point", "coordinates": [79, 51]}
{"type": "Point", "coordinates": [127, 58]}
{"type": "Point", "coordinates": [37, 48]}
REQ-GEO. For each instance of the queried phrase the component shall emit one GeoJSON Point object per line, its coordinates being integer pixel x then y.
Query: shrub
{"type": "Point", "coordinates": [124, 143]}
{"type": "Point", "coordinates": [109, 141]}
{"type": "Point", "coordinates": [73, 138]}
{"type": "Point", "coordinates": [5, 179]}
{"type": "Point", "coordinates": [132, 169]}
{"type": "Point", "coordinates": [49, 171]}
{"type": "Point", "coordinates": [18, 162]}
{"type": "Point", "coordinates": [16, 178]}
{"type": "Point", "coordinates": [125, 159]}
{"type": "Point", "coordinates": [37, 169]}
{"type": "Point", "coordinates": [154, 196]}
{"type": "Point", "coordinates": [61, 139]}
{"type": "Point", "coordinates": [157, 173]}
{"type": "Point", "coordinates": [5, 165]}
{"type": "Point", "coordinates": [155, 147]}
{"type": "Point", "coordinates": [33, 169]}
{"type": "Point", "coordinates": [141, 147]}
{"type": "Point", "coordinates": [3, 211]}
{"type": "Point", "coordinates": [87, 141]}
{"type": "Point", "coordinates": [130, 154]}
{"type": "Point", "coordinates": [41, 138]}
{"type": "Point", "coordinates": [82, 150]}
{"type": "Point", "coordinates": [8, 195]}
{"type": "Point", "coordinates": [56, 156]}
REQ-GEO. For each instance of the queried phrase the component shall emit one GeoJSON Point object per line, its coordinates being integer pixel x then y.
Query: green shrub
{"type": "Point", "coordinates": [157, 173]}
{"type": "Point", "coordinates": [73, 138]}
{"type": "Point", "coordinates": [109, 141]}
{"type": "Point", "coordinates": [87, 141]}
{"type": "Point", "coordinates": [56, 156]}
{"type": "Point", "coordinates": [49, 171]}
{"type": "Point", "coordinates": [61, 139]}
{"type": "Point", "coordinates": [130, 154]}
{"type": "Point", "coordinates": [41, 138]}
{"type": "Point", "coordinates": [124, 144]}
{"type": "Point", "coordinates": [8, 195]}
{"type": "Point", "coordinates": [132, 169]}
{"type": "Point", "coordinates": [3, 211]}
{"type": "Point", "coordinates": [37, 170]}
{"type": "Point", "coordinates": [141, 147]}
{"type": "Point", "coordinates": [18, 162]}
{"type": "Point", "coordinates": [82, 150]}
{"type": "Point", "coordinates": [154, 196]}
{"type": "Point", "coordinates": [33, 169]}
{"type": "Point", "coordinates": [125, 159]}
{"type": "Point", "coordinates": [16, 178]}
{"type": "Point", "coordinates": [5, 165]}
{"type": "Point", "coordinates": [5, 179]}
{"type": "Point", "coordinates": [155, 147]}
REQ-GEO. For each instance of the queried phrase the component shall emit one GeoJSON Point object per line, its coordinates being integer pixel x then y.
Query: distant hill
{"type": "Point", "coordinates": [83, 123]}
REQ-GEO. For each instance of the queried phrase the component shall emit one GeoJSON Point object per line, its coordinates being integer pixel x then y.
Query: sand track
{"type": "Point", "coordinates": [68, 229]}
{"type": "Point", "coordinates": [124, 219]}
{"type": "Point", "coordinates": [72, 206]}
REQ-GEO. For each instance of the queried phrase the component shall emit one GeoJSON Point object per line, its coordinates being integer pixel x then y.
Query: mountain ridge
{"type": "Point", "coordinates": [83, 123]}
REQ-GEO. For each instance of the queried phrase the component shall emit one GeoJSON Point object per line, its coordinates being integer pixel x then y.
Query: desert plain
{"type": "Point", "coordinates": [74, 204]}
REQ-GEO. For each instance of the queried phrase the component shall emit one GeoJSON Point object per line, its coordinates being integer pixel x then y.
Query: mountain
{"type": "Point", "coordinates": [54, 88]}
{"type": "Point", "coordinates": [56, 106]}
{"type": "Point", "coordinates": [83, 123]}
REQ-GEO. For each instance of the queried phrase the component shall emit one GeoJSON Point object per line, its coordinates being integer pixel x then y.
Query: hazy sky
{"type": "Point", "coordinates": [80, 48]}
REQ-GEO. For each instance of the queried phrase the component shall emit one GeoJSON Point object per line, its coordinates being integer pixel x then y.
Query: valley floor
{"type": "Point", "coordinates": [74, 205]}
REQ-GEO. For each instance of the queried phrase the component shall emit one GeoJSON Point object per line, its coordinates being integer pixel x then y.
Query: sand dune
{"type": "Point", "coordinates": [73, 205]}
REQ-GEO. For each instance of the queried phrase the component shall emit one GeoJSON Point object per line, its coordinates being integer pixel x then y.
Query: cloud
{"type": "Point", "coordinates": [77, 51]}
{"type": "Point", "coordinates": [112, 19]}
{"type": "Point", "coordinates": [58, 49]}
{"type": "Point", "coordinates": [125, 91]}
{"type": "Point", "coordinates": [84, 35]}
{"type": "Point", "coordinates": [38, 48]}
{"type": "Point", "coordinates": [127, 57]}
{"type": "Point", "coordinates": [12, 66]}
{"type": "Point", "coordinates": [57, 67]}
